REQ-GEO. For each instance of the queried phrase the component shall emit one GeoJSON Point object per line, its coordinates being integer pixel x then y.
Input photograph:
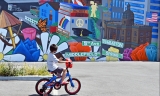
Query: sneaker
{"type": "Point", "coordinates": [65, 83]}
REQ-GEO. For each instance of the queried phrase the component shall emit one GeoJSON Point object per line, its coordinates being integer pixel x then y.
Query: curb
{"type": "Point", "coordinates": [23, 78]}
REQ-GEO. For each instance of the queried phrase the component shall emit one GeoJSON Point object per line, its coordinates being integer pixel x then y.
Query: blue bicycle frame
{"type": "Point", "coordinates": [54, 78]}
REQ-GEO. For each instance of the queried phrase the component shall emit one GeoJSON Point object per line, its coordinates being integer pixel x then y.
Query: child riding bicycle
{"type": "Point", "coordinates": [52, 66]}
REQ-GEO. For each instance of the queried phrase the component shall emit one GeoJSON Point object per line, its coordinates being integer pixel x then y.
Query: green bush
{"type": "Point", "coordinates": [13, 70]}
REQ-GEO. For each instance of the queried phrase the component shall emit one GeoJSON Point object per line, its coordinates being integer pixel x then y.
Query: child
{"type": "Point", "coordinates": [51, 63]}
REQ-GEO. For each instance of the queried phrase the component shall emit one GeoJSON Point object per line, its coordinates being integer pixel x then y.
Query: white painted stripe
{"type": "Point", "coordinates": [54, 92]}
{"type": "Point", "coordinates": [154, 40]}
{"type": "Point", "coordinates": [154, 33]}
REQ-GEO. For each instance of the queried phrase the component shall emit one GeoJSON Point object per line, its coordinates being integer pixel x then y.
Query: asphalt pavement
{"type": "Point", "coordinates": [99, 79]}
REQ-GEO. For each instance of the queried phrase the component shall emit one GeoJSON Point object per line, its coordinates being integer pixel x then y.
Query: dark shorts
{"type": "Point", "coordinates": [58, 70]}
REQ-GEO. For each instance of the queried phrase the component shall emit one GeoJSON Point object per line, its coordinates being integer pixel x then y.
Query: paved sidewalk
{"type": "Point", "coordinates": [99, 79]}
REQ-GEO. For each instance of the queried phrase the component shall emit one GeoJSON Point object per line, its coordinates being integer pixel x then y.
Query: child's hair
{"type": "Point", "coordinates": [53, 47]}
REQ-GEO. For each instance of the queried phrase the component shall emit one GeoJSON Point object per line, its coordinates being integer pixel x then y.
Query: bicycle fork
{"type": "Point", "coordinates": [70, 79]}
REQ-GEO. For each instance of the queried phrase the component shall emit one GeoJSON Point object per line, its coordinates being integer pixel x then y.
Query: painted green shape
{"type": "Point", "coordinates": [82, 54]}
{"type": "Point", "coordinates": [113, 43]}
{"type": "Point", "coordinates": [55, 24]}
{"type": "Point", "coordinates": [40, 47]}
{"type": "Point", "coordinates": [91, 43]}
{"type": "Point", "coordinates": [156, 44]}
{"type": "Point", "coordinates": [97, 31]}
{"type": "Point", "coordinates": [112, 54]}
{"type": "Point", "coordinates": [9, 53]}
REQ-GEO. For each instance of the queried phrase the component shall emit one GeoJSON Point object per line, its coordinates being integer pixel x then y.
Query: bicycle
{"type": "Point", "coordinates": [53, 83]}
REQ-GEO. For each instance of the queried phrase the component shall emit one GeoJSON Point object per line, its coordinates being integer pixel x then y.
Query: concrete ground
{"type": "Point", "coordinates": [100, 79]}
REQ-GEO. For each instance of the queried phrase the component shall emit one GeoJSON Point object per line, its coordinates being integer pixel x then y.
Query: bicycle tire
{"type": "Point", "coordinates": [79, 87]}
{"type": "Point", "coordinates": [36, 87]}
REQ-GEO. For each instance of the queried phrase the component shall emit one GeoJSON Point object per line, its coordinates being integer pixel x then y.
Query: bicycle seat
{"type": "Point", "coordinates": [51, 72]}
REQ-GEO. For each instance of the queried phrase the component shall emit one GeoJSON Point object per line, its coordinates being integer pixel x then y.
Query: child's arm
{"type": "Point", "coordinates": [60, 60]}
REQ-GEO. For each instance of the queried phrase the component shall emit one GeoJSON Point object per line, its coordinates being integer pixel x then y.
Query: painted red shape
{"type": "Point", "coordinates": [77, 47]}
{"type": "Point", "coordinates": [138, 54]}
{"type": "Point", "coordinates": [53, 29]}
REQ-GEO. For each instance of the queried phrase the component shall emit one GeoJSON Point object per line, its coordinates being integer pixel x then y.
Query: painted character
{"type": "Point", "coordinates": [126, 54]}
{"type": "Point", "coordinates": [151, 52]}
{"type": "Point", "coordinates": [93, 8]}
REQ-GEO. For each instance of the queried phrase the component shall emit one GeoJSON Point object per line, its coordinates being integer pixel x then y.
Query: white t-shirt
{"type": "Point", "coordinates": [51, 62]}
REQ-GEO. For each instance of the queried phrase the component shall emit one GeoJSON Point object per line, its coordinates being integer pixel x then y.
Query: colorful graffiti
{"type": "Point", "coordinates": [99, 30]}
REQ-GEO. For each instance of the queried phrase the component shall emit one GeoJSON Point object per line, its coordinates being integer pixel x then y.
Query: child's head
{"type": "Point", "coordinates": [53, 48]}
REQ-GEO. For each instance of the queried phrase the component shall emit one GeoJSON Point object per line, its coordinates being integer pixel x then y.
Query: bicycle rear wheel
{"type": "Point", "coordinates": [68, 86]}
{"type": "Point", "coordinates": [39, 87]}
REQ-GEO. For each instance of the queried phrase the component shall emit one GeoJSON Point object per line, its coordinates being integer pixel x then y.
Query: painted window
{"type": "Point", "coordinates": [106, 4]}
{"type": "Point", "coordinates": [112, 14]}
{"type": "Point", "coordinates": [116, 3]}
{"type": "Point", "coordinates": [50, 16]}
{"type": "Point", "coordinates": [122, 32]}
{"type": "Point", "coordinates": [128, 33]}
{"type": "Point", "coordinates": [113, 2]}
{"type": "Point", "coordinates": [135, 33]}
{"type": "Point", "coordinates": [141, 33]}
{"type": "Point", "coordinates": [85, 21]}
{"type": "Point", "coordinates": [122, 4]}
{"type": "Point", "coordinates": [147, 39]}
{"type": "Point", "coordinates": [134, 39]}
{"type": "Point", "coordinates": [135, 5]}
{"type": "Point", "coordinates": [119, 3]}
{"type": "Point", "coordinates": [147, 34]}
{"type": "Point", "coordinates": [46, 5]}
{"type": "Point", "coordinates": [141, 40]}
{"type": "Point", "coordinates": [122, 37]}
{"type": "Point", "coordinates": [138, 16]}
{"type": "Point", "coordinates": [72, 20]}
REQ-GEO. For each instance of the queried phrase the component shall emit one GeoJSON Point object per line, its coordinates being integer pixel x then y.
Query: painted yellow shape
{"type": "Point", "coordinates": [115, 50]}
{"type": "Point", "coordinates": [93, 8]}
{"type": "Point", "coordinates": [93, 59]}
{"type": "Point", "coordinates": [81, 33]}
{"type": "Point", "coordinates": [1, 56]}
{"type": "Point", "coordinates": [12, 37]}
{"type": "Point", "coordinates": [45, 56]}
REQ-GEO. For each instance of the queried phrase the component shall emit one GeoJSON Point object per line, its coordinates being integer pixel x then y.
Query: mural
{"type": "Point", "coordinates": [84, 30]}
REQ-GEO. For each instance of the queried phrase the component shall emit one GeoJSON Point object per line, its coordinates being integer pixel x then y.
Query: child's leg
{"type": "Point", "coordinates": [64, 74]}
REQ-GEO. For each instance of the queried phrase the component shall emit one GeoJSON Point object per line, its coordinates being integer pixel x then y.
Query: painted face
{"type": "Point", "coordinates": [151, 52]}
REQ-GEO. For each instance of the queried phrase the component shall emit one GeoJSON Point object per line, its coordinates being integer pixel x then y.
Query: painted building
{"type": "Point", "coordinates": [117, 9]}
{"type": "Point", "coordinates": [72, 16]}
{"type": "Point", "coordinates": [154, 7]}
{"type": "Point", "coordinates": [126, 31]}
{"type": "Point", "coordinates": [49, 11]}
{"type": "Point", "coordinates": [139, 7]}
{"type": "Point", "coordinates": [106, 15]}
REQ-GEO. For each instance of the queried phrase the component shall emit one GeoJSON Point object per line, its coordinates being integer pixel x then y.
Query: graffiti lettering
{"type": "Point", "coordinates": [82, 54]}
{"type": "Point", "coordinates": [91, 43]}
{"type": "Point", "coordinates": [113, 43]}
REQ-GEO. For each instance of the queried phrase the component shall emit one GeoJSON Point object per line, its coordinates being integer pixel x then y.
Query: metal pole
{"type": "Point", "coordinates": [101, 41]}
{"type": "Point", "coordinates": [158, 49]}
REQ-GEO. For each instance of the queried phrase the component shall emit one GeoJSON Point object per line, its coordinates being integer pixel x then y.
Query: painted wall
{"type": "Point", "coordinates": [24, 36]}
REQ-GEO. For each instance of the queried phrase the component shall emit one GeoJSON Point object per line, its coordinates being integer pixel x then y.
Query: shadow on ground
{"type": "Point", "coordinates": [50, 95]}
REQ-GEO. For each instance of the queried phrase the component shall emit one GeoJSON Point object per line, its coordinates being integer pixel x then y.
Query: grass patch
{"type": "Point", "coordinates": [14, 70]}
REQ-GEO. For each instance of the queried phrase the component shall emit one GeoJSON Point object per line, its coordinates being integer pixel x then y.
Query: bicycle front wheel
{"type": "Point", "coordinates": [73, 90]}
{"type": "Point", "coordinates": [39, 86]}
